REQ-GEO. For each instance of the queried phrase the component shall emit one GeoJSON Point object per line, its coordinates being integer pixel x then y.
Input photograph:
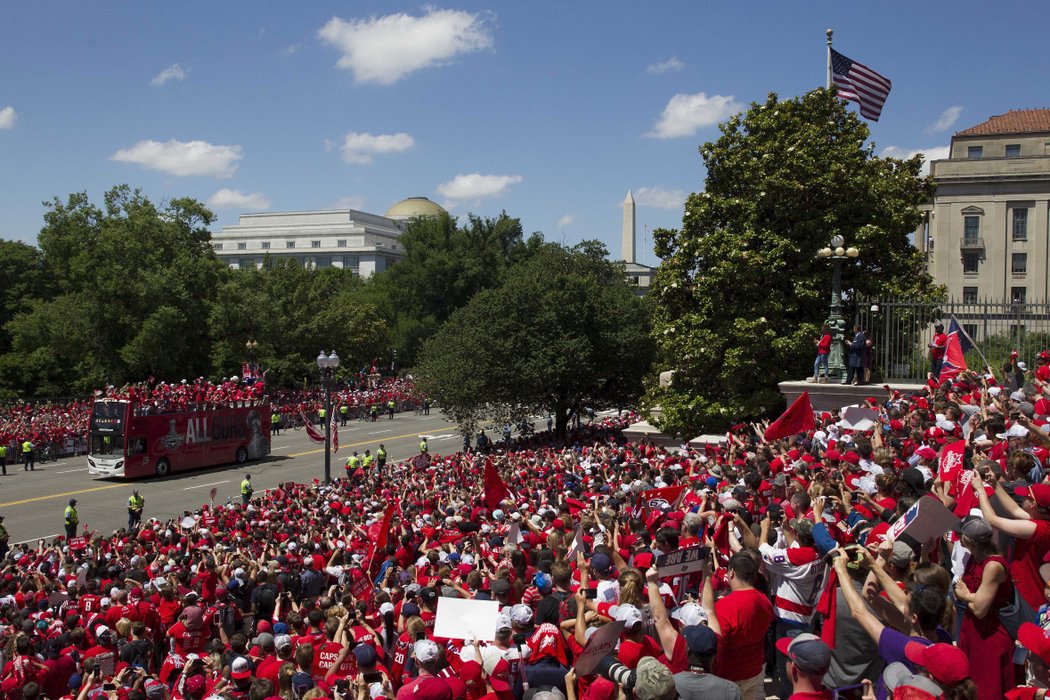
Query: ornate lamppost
{"type": "Point", "coordinates": [327, 364]}
{"type": "Point", "coordinates": [836, 322]}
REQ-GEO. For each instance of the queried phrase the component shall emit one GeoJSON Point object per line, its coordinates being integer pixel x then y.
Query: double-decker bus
{"type": "Point", "coordinates": [127, 441]}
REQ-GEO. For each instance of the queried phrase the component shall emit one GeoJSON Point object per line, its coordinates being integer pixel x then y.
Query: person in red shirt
{"type": "Point", "coordinates": [823, 344]}
{"type": "Point", "coordinates": [808, 659]}
{"type": "Point", "coordinates": [744, 617]}
{"type": "Point", "coordinates": [937, 350]}
{"type": "Point", "coordinates": [190, 633]}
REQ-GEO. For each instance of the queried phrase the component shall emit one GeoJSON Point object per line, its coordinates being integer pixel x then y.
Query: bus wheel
{"type": "Point", "coordinates": [163, 467]}
{"type": "Point", "coordinates": [242, 455]}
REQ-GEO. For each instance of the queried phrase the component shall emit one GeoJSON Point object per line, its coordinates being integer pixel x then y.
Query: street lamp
{"type": "Point", "coordinates": [837, 253]}
{"type": "Point", "coordinates": [250, 347]}
{"type": "Point", "coordinates": [327, 364]}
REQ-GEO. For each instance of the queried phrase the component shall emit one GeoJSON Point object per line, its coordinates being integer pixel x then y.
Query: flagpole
{"type": "Point", "coordinates": [827, 83]}
{"type": "Point", "coordinates": [972, 342]}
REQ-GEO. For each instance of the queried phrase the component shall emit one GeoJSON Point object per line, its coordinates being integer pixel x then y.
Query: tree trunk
{"type": "Point", "coordinates": [561, 419]}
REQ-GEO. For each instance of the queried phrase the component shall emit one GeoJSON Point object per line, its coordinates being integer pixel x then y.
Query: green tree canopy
{"type": "Point", "coordinates": [445, 265]}
{"type": "Point", "coordinates": [134, 284]}
{"type": "Point", "coordinates": [564, 330]}
{"type": "Point", "coordinates": [740, 294]}
{"type": "Point", "coordinates": [293, 313]}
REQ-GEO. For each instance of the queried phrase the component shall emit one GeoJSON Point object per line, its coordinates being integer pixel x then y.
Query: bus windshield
{"type": "Point", "coordinates": [107, 444]}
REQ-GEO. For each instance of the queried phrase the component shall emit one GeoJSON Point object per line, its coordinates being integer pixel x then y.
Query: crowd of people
{"type": "Point", "coordinates": [52, 423]}
{"type": "Point", "coordinates": [805, 577]}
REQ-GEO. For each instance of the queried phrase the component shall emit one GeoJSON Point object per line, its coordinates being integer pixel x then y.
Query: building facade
{"type": "Point", "coordinates": [987, 235]}
{"type": "Point", "coordinates": [345, 238]}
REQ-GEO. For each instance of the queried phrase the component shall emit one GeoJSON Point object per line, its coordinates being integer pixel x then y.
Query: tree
{"type": "Point", "coordinates": [563, 331]}
{"type": "Point", "coordinates": [293, 313]}
{"type": "Point", "coordinates": [134, 284]}
{"type": "Point", "coordinates": [740, 293]}
{"type": "Point", "coordinates": [24, 279]}
{"type": "Point", "coordinates": [445, 265]}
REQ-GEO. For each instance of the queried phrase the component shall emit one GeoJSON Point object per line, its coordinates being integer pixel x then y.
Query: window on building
{"type": "Point", "coordinates": [1019, 264]}
{"type": "Point", "coordinates": [315, 244]}
{"type": "Point", "coordinates": [242, 246]}
{"type": "Point", "coordinates": [1020, 223]}
{"type": "Point", "coordinates": [341, 243]}
{"type": "Point", "coordinates": [1017, 295]}
{"type": "Point", "coordinates": [970, 262]}
{"type": "Point", "coordinates": [975, 152]}
{"type": "Point", "coordinates": [969, 295]}
{"type": "Point", "coordinates": [216, 246]}
{"type": "Point", "coordinates": [1013, 150]}
{"type": "Point", "coordinates": [265, 245]}
{"type": "Point", "coordinates": [971, 228]}
{"type": "Point", "coordinates": [289, 244]}
{"type": "Point", "coordinates": [351, 262]}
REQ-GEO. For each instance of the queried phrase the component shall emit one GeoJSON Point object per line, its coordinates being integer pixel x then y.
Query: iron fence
{"type": "Point", "coordinates": [902, 329]}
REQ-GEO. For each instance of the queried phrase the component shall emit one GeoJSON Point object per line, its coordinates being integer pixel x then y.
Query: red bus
{"type": "Point", "coordinates": [127, 442]}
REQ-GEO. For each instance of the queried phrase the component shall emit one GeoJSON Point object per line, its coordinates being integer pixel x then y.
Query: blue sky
{"type": "Point", "coordinates": [549, 110]}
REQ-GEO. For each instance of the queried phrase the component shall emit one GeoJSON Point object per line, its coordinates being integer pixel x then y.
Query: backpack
{"type": "Point", "coordinates": [266, 598]}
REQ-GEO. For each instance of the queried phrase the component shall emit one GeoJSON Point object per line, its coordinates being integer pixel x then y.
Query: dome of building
{"type": "Point", "coordinates": [412, 207]}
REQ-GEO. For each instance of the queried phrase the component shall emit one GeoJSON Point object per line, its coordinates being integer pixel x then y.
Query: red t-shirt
{"type": "Point", "coordinates": [745, 617]}
{"type": "Point", "coordinates": [1028, 557]}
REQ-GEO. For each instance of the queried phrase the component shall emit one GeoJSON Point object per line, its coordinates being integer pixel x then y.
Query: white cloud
{"type": "Point", "coordinates": [289, 50]}
{"type": "Point", "coordinates": [352, 201]}
{"type": "Point", "coordinates": [567, 220]}
{"type": "Point", "coordinates": [172, 72]}
{"type": "Point", "coordinates": [476, 186]}
{"type": "Point", "coordinates": [8, 117]}
{"type": "Point", "coordinates": [684, 114]}
{"type": "Point", "coordinates": [235, 199]}
{"type": "Point", "coordinates": [935, 153]}
{"type": "Point", "coordinates": [360, 148]}
{"type": "Point", "coordinates": [945, 121]}
{"type": "Point", "coordinates": [671, 64]}
{"type": "Point", "coordinates": [183, 158]}
{"type": "Point", "coordinates": [659, 198]}
{"type": "Point", "coordinates": [385, 49]}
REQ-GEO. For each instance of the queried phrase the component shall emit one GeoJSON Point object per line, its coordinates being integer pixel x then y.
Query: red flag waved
{"type": "Point", "coordinates": [495, 488]}
{"type": "Point", "coordinates": [311, 432]}
{"type": "Point", "coordinates": [797, 418]}
{"type": "Point", "coordinates": [375, 558]}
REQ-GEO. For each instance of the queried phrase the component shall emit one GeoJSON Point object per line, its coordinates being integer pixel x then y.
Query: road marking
{"type": "Point", "coordinates": [379, 432]}
{"type": "Point", "coordinates": [200, 486]}
{"type": "Point", "coordinates": [37, 539]}
{"type": "Point", "coordinates": [73, 470]}
{"type": "Point", "coordinates": [63, 495]}
{"type": "Point", "coordinates": [352, 444]}
{"type": "Point", "coordinates": [279, 447]}
{"type": "Point", "coordinates": [443, 437]}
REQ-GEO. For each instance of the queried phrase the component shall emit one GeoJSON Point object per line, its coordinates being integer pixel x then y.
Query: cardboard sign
{"type": "Point", "coordinates": [682, 561]}
{"type": "Point", "coordinates": [188, 522]}
{"type": "Point", "coordinates": [57, 598]}
{"type": "Point", "coordinates": [361, 587]}
{"type": "Point", "coordinates": [858, 418]}
{"type": "Point", "coordinates": [458, 618]}
{"type": "Point", "coordinates": [601, 644]}
{"type": "Point", "coordinates": [924, 521]}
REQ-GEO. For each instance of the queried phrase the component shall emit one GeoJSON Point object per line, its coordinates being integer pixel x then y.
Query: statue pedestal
{"type": "Point", "coordinates": [826, 397]}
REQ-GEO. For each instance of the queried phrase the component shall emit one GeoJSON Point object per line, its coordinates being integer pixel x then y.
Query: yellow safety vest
{"type": "Point", "coordinates": [3, 450]}
{"type": "Point", "coordinates": [135, 502]}
{"type": "Point", "coordinates": [343, 409]}
{"type": "Point", "coordinates": [367, 461]}
{"type": "Point", "coordinates": [246, 487]}
{"type": "Point", "coordinates": [275, 418]}
{"type": "Point", "coordinates": [71, 516]}
{"type": "Point", "coordinates": [322, 413]}
{"type": "Point", "coordinates": [27, 446]}
{"type": "Point", "coordinates": [381, 454]}
{"type": "Point", "coordinates": [423, 446]}
{"type": "Point", "coordinates": [353, 462]}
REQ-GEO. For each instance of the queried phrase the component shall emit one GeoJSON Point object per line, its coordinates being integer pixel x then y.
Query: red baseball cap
{"type": "Point", "coordinates": [1033, 638]}
{"type": "Point", "coordinates": [1040, 493]}
{"type": "Point", "coordinates": [947, 664]}
{"type": "Point", "coordinates": [499, 679]}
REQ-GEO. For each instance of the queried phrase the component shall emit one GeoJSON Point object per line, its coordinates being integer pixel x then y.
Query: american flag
{"type": "Point", "coordinates": [861, 84]}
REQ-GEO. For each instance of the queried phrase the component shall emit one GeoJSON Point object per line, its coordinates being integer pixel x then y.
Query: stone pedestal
{"type": "Point", "coordinates": [825, 397]}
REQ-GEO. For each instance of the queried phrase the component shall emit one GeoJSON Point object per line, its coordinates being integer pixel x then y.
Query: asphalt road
{"type": "Point", "coordinates": [33, 502]}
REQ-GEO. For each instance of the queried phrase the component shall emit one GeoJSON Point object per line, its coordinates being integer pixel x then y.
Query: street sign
{"type": "Point", "coordinates": [682, 561]}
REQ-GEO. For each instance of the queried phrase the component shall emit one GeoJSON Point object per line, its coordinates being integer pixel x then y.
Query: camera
{"type": "Point", "coordinates": [611, 669]}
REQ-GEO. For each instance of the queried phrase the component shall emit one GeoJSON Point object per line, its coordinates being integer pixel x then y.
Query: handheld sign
{"type": "Point", "coordinates": [925, 520]}
{"type": "Point", "coordinates": [214, 491]}
{"type": "Point", "coordinates": [601, 644]}
{"type": "Point", "coordinates": [576, 545]}
{"type": "Point", "coordinates": [458, 618]}
{"type": "Point", "coordinates": [682, 561]}
{"type": "Point", "coordinates": [514, 535]}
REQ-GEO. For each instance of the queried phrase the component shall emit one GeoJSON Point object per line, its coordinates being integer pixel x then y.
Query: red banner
{"type": "Point", "coordinates": [951, 461]}
{"type": "Point", "coordinates": [311, 431]}
{"type": "Point", "coordinates": [379, 546]}
{"type": "Point", "coordinates": [495, 488]}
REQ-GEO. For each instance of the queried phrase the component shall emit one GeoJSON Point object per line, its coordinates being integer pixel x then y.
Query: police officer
{"type": "Point", "coordinates": [3, 458]}
{"type": "Point", "coordinates": [343, 410]}
{"type": "Point", "coordinates": [322, 414]}
{"type": "Point", "coordinates": [246, 489]}
{"type": "Point", "coordinates": [4, 537]}
{"type": "Point", "coordinates": [423, 448]}
{"type": "Point", "coordinates": [381, 456]}
{"type": "Point", "coordinates": [275, 423]}
{"type": "Point", "coordinates": [27, 456]}
{"type": "Point", "coordinates": [71, 519]}
{"type": "Point", "coordinates": [390, 406]}
{"type": "Point", "coordinates": [367, 461]}
{"type": "Point", "coordinates": [352, 463]}
{"type": "Point", "coordinates": [135, 504]}
{"type": "Point", "coordinates": [373, 410]}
